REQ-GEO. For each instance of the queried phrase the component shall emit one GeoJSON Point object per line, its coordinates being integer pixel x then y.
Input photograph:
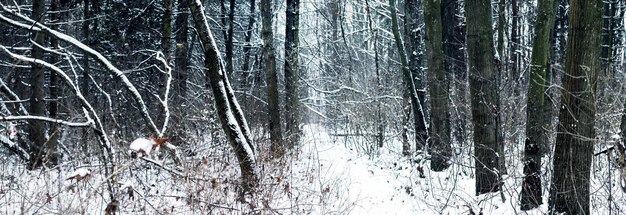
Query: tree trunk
{"type": "Point", "coordinates": [454, 61]}
{"type": "Point", "coordinates": [179, 74]}
{"type": "Point", "coordinates": [229, 38]}
{"type": "Point", "coordinates": [533, 150]}
{"type": "Point", "coordinates": [484, 95]}
{"type": "Point", "coordinates": [379, 114]}
{"type": "Point", "coordinates": [439, 144]}
{"type": "Point", "coordinates": [182, 47]}
{"type": "Point", "coordinates": [552, 96]}
{"type": "Point", "coordinates": [515, 41]}
{"type": "Point", "coordinates": [37, 130]}
{"type": "Point", "coordinates": [247, 48]}
{"type": "Point", "coordinates": [53, 108]}
{"type": "Point", "coordinates": [166, 28]}
{"type": "Point", "coordinates": [269, 58]}
{"type": "Point", "coordinates": [225, 101]}
{"type": "Point", "coordinates": [569, 191]}
{"type": "Point", "coordinates": [412, 65]}
{"type": "Point", "coordinates": [292, 103]}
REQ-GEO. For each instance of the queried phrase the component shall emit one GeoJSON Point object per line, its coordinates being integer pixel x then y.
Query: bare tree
{"type": "Point", "coordinates": [569, 191]}
{"type": "Point", "coordinates": [484, 95]}
{"type": "Point", "coordinates": [269, 59]}
{"type": "Point", "coordinates": [292, 103]}
{"type": "Point", "coordinates": [225, 102]}
{"type": "Point", "coordinates": [421, 134]}
{"type": "Point", "coordinates": [438, 84]}
{"type": "Point", "coordinates": [533, 150]}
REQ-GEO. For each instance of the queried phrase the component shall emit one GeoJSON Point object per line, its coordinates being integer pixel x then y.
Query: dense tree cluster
{"type": "Point", "coordinates": [80, 79]}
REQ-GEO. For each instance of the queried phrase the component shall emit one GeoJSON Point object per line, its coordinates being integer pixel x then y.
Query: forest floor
{"type": "Point", "coordinates": [327, 174]}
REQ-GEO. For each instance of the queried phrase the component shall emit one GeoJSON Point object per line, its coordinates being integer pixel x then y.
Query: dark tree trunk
{"type": "Point", "coordinates": [182, 47]}
{"type": "Point", "coordinates": [37, 129]}
{"type": "Point", "coordinates": [569, 191]}
{"type": "Point", "coordinates": [53, 108]}
{"type": "Point", "coordinates": [484, 94]}
{"type": "Point", "coordinates": [411, 67]}
{"type": "Point", "coordinates": [515, 40]}
{"type": "Point", "coordinates": [269, 58]}
{"type": "Point", "coordinates": [454, 61]}
{"type": "Point", "coordinates": [166, 28]}
{"type": "Point", "coordinates": [229, 38]}
{"type": "Point", "coordinates": [439, 141]}
{"type": "Point", "coordinates": [552, 96]}
{"type": "Point", "coordinates": [248, 46]}
{"type": "Point", "coordinates": [533, 150]}
{"type": "Point", "coordinates": [292, 103]}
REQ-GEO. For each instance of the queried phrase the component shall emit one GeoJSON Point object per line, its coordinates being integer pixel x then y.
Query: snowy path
{"type": "Point", "coordinates": [365, 186]}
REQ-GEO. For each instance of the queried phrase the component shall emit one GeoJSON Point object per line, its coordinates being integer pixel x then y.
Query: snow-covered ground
{"type": "Point", "coordinates": [326, 175]}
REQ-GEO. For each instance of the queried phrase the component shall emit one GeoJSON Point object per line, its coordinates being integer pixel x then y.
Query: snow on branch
{"type": "Point", "coordinates": [36, 26]}
{"type": "Point", "coordinates": [11, 95]}
{"type": "Point", "coordinates": [14, 147]}
{"type": "Point", "coordinates": [232, 127]}
{"type": "Point", "coordinates": [47, 119]}
{"type": "Point", "coordinates": [92, 117]}
{"type": "Point", "coordinates": [164, 100]}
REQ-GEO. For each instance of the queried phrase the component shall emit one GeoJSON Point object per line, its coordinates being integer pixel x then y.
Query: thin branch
{"type": "Point", "coordinates": [47, 119]}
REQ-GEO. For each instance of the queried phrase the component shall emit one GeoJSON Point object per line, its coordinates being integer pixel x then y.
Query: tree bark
{"type": "Point", "coordinates": [439, 141]}
{"type": "Point", "coordinates": [166, 28]}
{"type": "Point", "coordinates": [569, 191]}
{"type": "Point", "coordinates": [53, 108]}
{"type": "Point", "coordinates": [225, 102]}
{"type": "Point", "coordinates": [515, 40]}
{"type": "Point", "coordinates": [411, 65]}
{"type": "Point", "coordinates": [484, 95]}
{"type": "Point", "coordinates": [229, 38]}
{"type": "Point", "coordinates": [292, 103]}
{"type": "Point", "coordinates": [248, 46]}
{"type": "Point", "coordinates": [454, 62]}
{"type": "Point", "coordinates": [276, 135]}
{"type": "Point", "coordinates": [182, 47]}
{"type": "Point", "coordinates": [37, 129]}
{"type": "Point", "coordinates": [533, 150]}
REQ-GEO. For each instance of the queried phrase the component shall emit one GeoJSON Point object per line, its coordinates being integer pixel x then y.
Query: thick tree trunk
{"type": "Point", "coordinates": [439, 145]}
{"type": "Point", "coordinates": [225, 101]}
{"type": "Point", "coordinates": [569, 191]}
{"type": "Point", "coordinates": [533, 150]}
{"type": "Point", "coordinates": [411, 65]}
{"type": "Point", "coordinates": [552, 96]}
{"type": "Point", "coordinates": [292, 103]}
{"type": "Point", "coordinates": [454, 62]}
{"type": "Point", "coordinates": [37, 129]}
{"type": "Point", "coordinates": [484, 94]}
{"type": "Point", "coordinates": [53, 108]}
{"type": "Point", "coordinates": [269, 58]}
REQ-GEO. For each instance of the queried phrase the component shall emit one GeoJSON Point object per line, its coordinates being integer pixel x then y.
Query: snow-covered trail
{"type": "Point", "coordinates": [359, 184]}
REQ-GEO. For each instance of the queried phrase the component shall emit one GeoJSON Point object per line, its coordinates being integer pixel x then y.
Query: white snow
{"type": "Point", "coordinates": [142, 146]}
{"type": "Point", "coordinates": [327, 175]}
{"type": "Point", "coordinates": [79, 174]}
{"type": "Point", "coordinates": [616, 137]}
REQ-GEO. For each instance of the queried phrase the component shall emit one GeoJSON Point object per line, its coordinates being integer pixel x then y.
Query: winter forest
{"type": "Point", "coordinates": [312, 107]}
